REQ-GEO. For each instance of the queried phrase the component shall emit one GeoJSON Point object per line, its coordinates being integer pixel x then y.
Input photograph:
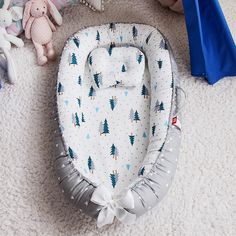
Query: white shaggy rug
{"type": "Point", "coordinates": [202, 198]}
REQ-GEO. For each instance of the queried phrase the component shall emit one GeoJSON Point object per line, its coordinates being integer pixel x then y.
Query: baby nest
{"type": "Point", "coordinates": [118, 131]}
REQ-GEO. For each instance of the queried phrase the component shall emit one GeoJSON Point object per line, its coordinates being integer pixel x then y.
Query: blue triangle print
{"type": "Point", "coordinates": [128, 166]}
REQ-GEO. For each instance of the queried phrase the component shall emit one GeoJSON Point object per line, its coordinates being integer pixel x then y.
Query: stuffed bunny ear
{"type": "Point", "coordinates": [54, 12]}
{"type": "Point", "coordinates": [26, 14]}
{"type": "Point", "coordinates": [17, 13]}
{"type": "Point", "coordinates": [6, 4]}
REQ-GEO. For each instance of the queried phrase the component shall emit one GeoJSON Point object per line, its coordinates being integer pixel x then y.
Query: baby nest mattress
{"type": "Point", "coordinates": [119, 134]}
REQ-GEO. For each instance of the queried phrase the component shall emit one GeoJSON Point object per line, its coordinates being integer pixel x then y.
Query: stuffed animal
{"type": "Point", "coordinates": [175, 5]}
{"type": "Point", "coordinates": [6, 17]}
{"type": "Point", "coordinates": [16, 27]}
{"type": "Point", "coordinates": [39, 27]}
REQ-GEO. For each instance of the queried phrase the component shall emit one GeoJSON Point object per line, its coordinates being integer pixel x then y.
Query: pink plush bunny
{"type": "Point", "coordinates": [39, 27]}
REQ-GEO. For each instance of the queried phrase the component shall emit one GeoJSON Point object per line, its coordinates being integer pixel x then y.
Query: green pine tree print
{"type": "Point", "coordinates": [112, 27]}
{"type": "Point", "coordinates": [161, 108]}
{"type": "Point", "coordinates": [73, 59]}
{"type": "Point", "coordinates": [110, 49]}
{"type": "Point", "coordinates": [157, 106]}
{"type": "Point", "coordinates": [114, 151]}
{"type": "Point", "coordinates": [79, 101]}
{"type": "Point", "coordinates": [76, 41]}
{"type": "Point", "coordinates": [91, 166]}
{"type": "Point", "coordinates": [71, 153]}
{"type": "Point", "coordinates": [74, 120]}
{"type": "Point", "coordinates": [153, 129]}
{"type": "Point", "coordinates": [92, 93]}
{"type": "Point", "coordinates": [163, 45]}
{"type": "Point", "coordinates": [141, 171]}
{"type": "Point", "coordinates": [79, 80]}
{"type": "Point", "coordinates": [123, 69]}
{"type": "Point", "coordinates": [95, 76]}
{"type": "Point", "coordinates": [114, 178]}
{"type": "Point", "coordinates": [160, 63]}
{"type": "Point", "coordinates": [118, 84]}
{"type": "Point", "coordinates": [113, 102]}
{"type": "Point", "coordinates": [77, 123]}
{"type": "Point", "coordinates": [90, 60]}
{"type": "Point", "coordinates": [172, 84]}
{"type": "Point", "coordinates": [148, 38]}
{"type": "Point", "coordinates": [131, 138]}
{"type": "Point", "coordinates": [60, 89]}
{"type": "Point", "coordinates": [135, 32]}
{"type": "Point", "coordinates": [98, 36]}
{"type": "Point", "coordinates": [145, 92]}
{"type": "Point", "coordinates": [105, 127]}
{"type": "Point", "coordinates": [139, 58]}
{"type": "Point", "coordinates": [98, 79]}
{"type": "Point", "coordinates": [136, 116]}
{"type": "Point", "coordinates": [82, 118]}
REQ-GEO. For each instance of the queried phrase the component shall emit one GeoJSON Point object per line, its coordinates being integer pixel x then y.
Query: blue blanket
{"type": "Point", "coordinates": [212, 48]}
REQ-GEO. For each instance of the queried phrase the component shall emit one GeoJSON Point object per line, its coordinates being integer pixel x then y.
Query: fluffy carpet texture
{"type": "Point", "coordinates": [202, 198]}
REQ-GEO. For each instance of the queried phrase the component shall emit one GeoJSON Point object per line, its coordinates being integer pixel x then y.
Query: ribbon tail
{"type": "Point", "coordinates": [125, 216]}
{"type": "Point", "coordinates": [105, 217]}
{"type": "Point", "coordinates": [101, 196]}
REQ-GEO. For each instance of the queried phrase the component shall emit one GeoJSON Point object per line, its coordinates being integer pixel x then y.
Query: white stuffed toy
{"type": "Point", "coordinates": [6, 18]}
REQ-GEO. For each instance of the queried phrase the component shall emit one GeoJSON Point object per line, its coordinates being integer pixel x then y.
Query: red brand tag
{"type": "Point", "coordinates": [174, 120]}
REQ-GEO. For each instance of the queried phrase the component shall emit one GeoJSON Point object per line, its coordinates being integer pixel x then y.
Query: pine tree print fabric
{"type": "Point", "coordinates": [114, 91]}
{"type": "Point", "coordinates": [123, 67]}
{"type": "Point", "coordinates": [115, 102]}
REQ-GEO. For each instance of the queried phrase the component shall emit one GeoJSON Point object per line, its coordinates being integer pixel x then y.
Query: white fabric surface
{"type": "Point", "coordinates": [108, 144]}
{"type": "Point", "coordinates": [111, 67]}
{"type": "Point", "coordinates": [202, 198]}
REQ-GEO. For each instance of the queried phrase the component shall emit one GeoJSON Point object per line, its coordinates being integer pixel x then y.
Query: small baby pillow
{"type": "Point", "coordinates": [119, 66]}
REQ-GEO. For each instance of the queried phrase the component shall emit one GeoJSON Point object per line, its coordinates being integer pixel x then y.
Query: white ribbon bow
{"type": "Point", "coordinates": [113, 207]}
